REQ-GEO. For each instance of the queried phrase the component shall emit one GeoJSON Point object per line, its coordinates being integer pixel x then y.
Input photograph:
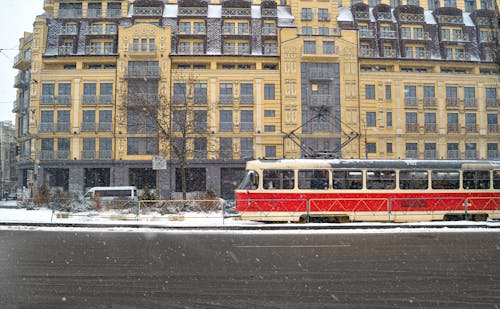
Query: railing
{"type": "Point", "coordinates": [320, 100]}
{"type": "Point", "coordinates": [63, 155]}
{"type": "Point", "coordinates": [430, 128]}
{"type": "Point", "coordinates": [384, 16]}
{"type": "Point", "coordinates": [471, 128]}
{"type": "Point", "coordinates": [246, 126]}
{"type": "Point", "coordinates": [225, 126]}
{"type": "Point", "coordinates": [143, 73]}
{"type": "Point", "coordinates": [471, 154]}
{"type": "Point", "coordinates": [47, 99]}
{"type": "Point", "coordinates": [388, 34]}
{"type": "Point", "coordinates": [429, 101]}
{"type": "Point", "coordinates": [94, 13]}
{"type": "Point", "coordinates": [451, 102]}
{"type": "Point", "coordinates": [47, 155]}
{"type": "Point", "coordinates": [70, 13]}
{"type": "Point", "coordinates": [226, 99]}
{"type": "Point", "coordinates": [105, 99]}
{"type": "Point", "coordinates": [493, 128]}
{"type": "Point", "coordinates": [246, 98]}
{"type": "Point", "coordinates": [453, 128]}
{"type": "Point", "coordinates": [88, 126]}
{"type": "Point", "coordinates": [493, 155]}
{"type": "Point", "coordinates": [430, 154]}
{"type": "Point", "coordinates": [366, 33]}
{"type": "Point", "coordinates": [62, 126]}
{"type": "Point", "coordinates": [105, 126]}
{"type": "Point", "coordinates": [105, 154]}
{"type": "Point", "coordinates": [412, 128]}
{"type": "Point", "coordinates": [411, 101]}
{"type": "Point", "coordinates": [113, 13]}
{"type": "Point", "coordinates": [88, 154]}
{"type": "Point", "coordinates": [453, 154]}
{"type": "Point", "coordinates": [46, 127]}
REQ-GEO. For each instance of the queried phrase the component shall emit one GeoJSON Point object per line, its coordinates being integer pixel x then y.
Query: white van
{"type": "Point", "coordinates": [112, 193]}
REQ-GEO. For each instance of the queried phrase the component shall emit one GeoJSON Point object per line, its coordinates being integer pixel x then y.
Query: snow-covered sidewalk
{"type": "Point", "coordinates": [44, 216]}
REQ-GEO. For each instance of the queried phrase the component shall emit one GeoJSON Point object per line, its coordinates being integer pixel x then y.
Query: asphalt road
{"type": "Point", "coordinates": [58, 269]}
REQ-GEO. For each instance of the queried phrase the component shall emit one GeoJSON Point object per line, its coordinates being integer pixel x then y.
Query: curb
{"type": "Point", "coordinates": [258, 227]}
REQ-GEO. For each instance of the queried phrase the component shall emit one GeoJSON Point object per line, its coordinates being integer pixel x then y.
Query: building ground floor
{"type": "Point", "coordinates": [76, 177]}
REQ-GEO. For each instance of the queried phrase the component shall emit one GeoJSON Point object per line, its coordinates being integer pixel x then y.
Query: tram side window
{"type": "Point", "coordinates": [313, 179]}
{"type": "Point", "coordinates": [445, 179]}
{"type": "Point", "coordinates": [475, 180]}
{"type": "Point", "coordinates": [250, 182]}
{"type": "Point", "coordinates": [348, 180]}
{"type": "Point", "coordinates": [278, 179]}
{"type": "Point", "coordinates": [496, 179]}
{"type": "Point", "coordinates": [413, 180]}
{"type": "Point", "coordinates": [385, 180]}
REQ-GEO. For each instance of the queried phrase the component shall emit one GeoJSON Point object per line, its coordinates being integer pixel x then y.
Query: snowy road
{"type": "Point", "coordinates": [176, 269]}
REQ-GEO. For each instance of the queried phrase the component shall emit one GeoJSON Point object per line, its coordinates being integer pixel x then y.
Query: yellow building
{"type": "Point", "coordinates": [107, 89]}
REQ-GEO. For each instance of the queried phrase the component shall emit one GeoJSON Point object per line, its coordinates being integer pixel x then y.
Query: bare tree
{"type": "Point", "coordinates": [172, 120]}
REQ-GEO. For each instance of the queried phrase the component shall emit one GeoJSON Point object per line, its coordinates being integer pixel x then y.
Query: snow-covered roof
{"type": "Point", "coordinates": [284, 12]}
{"type": "Point", "coordinates": [372, 17]}
{"type": "Point", "coordinates": [345, 14]}
{"type": "Point", "coordinates": [256, 11]}
{"type": "Point", "coordinates": [214, 11]}
{"type": "Point", "coordinates": [429, 18]}
{"type": "Point", "coordinates": [467, 20]}
{"type": "Point", "coordinates": [170, 10]}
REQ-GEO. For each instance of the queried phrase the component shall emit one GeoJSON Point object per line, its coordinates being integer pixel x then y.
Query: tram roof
{"type": "Point", "coordinates": [375, 164]}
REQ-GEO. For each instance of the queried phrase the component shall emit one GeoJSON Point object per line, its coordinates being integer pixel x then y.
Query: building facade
{"type": "Point", "coordinates": [109, 90]}
{"type": "Point", "coordinates": [8, 148]}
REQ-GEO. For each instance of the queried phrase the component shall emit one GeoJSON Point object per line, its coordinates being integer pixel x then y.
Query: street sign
{"type": "Point", "coordinates": [159, 163]}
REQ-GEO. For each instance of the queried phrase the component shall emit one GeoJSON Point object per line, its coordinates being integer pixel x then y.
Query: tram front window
{"type": "Point", "coordinates": [250, 182]}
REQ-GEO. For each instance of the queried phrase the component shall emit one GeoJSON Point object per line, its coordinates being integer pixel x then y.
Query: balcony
{"type": "Point", "coordinates": [62, 127]}
{"type": "Point", "coordinates": [47, 99]}
{"type": "Point", "coordinates": [21, 81]}
{"type": "Point", "coordinates": [94, 13]}
{"type": "Point", "coordinates": [105, 154]}
{"type": "Point", "coordinates": [429, 101]}
{"type": "Point", "coordinates": [320, 74]}
{"type": "Point", "coordinates": [430, 154]}
{"type": "Point", "coordinates": [430, 128]}
{"type": "Point", "coordinates": [450, 19]}
{"type": "Point", "coordinates": [46, 127]}
{"type": "Point", "coordinates": [88, 155]}
{"type": "Point", "coordinates": [139, 99]}
{"type": "Point", "coordinates": [114, 13]}
{"type": "Point", "coordinates": [226, 99]}
{"type": "Point", "coordinates": [147, 11]}
{"type": "Point", "coordinates": [451, 102]}
{"type": "Point", "coordinates": [66, 50]}
{"type": "Point", "coordinates": [153, 72]}
{"type": "Point", "coordinates": [387, 34]}
{"type": "Point", "coordinates": [63, 155]}
{"type": "Point", "coordinates": [179, 99]}
{"type": "Point", "coordinates": [493, 128]}
{"type": "Point", "coordinates": [47, 155]}
{"type": "Point", "coordinates": [246, 98]}
{"type": "Point", "coordinates": [452, 128]}
{"type": "Point", "coordinates": [493, 155]}
{"type": "Point", "coordinates": [412, 128]}
{"type": "Point", "coordinates": [453, 154]}
{"type": "Point", "coordinates": [246, 126]}
{"type": "Point", "coordinates": [492, 102]}
{"type": "Point", "coordinates": [105, 99]}
{"type": "Point", "coordinates": [98, 51]}
{"type": "Point", "coordinates": [192, 11]}
{"type": "Point", "coordinates": [471, 128]}
{"type": "Point", "coordinates": [366, 34]}
{"type": "Point", "coordinates": [361, 15]}
{"type": "Point", "coordinates": [22, 60]}
{"type": "Point", "coordinates": [105, 126]}
{"type": "Point", "coordinates": [411, 101]}
{"type": "Point", "coordinates": [225, 126]}
{"type": "Point", "coordinates": [411, 154]}
{"type": "Point", "coordinates": [409, 17]}
{"type": "Point", "coordinates": [89, 99]}
{"type": "Point", "coordinates": [70, 13]}
{"type": "Point", "coordinates": [226, 154]}
{"type": "Point", "coordinates": [470, 102]}
{"type": "Point", "coordinates": [320, 100]}
{"type": "Point", "coordinates": [423, 36]}
{"type": "Point", "coordinates": [384, 16]}
{"type": "Point", "coordinates": [470, 154]}
{"type": "Point", "coordinates": [418, 55]}
{"type": "Point", "coordinates": [88, 127]}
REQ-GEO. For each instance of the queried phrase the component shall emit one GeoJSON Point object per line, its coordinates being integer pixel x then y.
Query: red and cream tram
{"type": "Point", "coordinates": [369, 190]}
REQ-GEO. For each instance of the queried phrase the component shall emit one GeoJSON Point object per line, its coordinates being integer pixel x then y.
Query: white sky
{"type": "Point", "coordinates": [16, 16]}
